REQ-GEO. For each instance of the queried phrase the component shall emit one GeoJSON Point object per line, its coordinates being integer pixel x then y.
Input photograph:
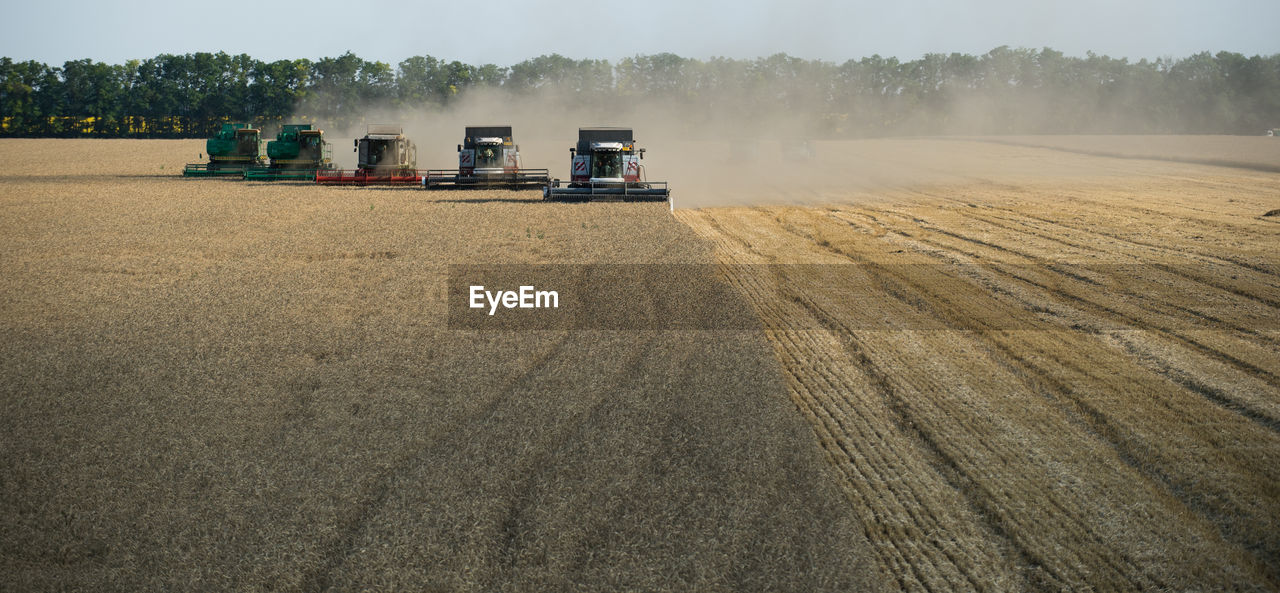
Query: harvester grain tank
{"type": "Point", "coordinates": [487, 157]}
{"type": "Point", "coordinates": [235, 149]}
{"type": "Point", "coordinates": [384, 157]}
{"type": "Point", "coordinates": [298, 152]}
{"type": "Point", "coordinates": [605, 165]}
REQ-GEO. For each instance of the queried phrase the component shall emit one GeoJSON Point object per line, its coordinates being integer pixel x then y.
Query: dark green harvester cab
{"type": "Point", "coordinates": [297, 153]}
{"type": "Point", "coordinates": [235, 149]}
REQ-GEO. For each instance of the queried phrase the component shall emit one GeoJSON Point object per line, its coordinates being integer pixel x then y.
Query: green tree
{"type": "Point", "coordinates": [1005, 90]}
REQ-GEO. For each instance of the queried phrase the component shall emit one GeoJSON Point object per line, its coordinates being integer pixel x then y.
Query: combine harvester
{"type": "Point", "coordinates": [605, 165]}
{"type": "Point", "coordinates": [487, 158]}
{"type": "Point", "coordinates": [385, 157]}
{"type": "Point", "coordinates": [298, 152]}
{"type": "Point", "coordinates": [236, 149]}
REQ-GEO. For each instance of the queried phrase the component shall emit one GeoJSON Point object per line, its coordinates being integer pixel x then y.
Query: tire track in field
{"type": "Point", "coordinates": [1043, 572]}
{"type": "Point", "coordinates": [1254, 402]}
{"type": "Point", "coordinates": [1233, 288]}
{"type": "Point", "coordinates": [1252, 398]}
{"type": "Point", "coordinates": [1237, 510]}
{"type": "Point", "coordinates": [1226, 500]}
{"type": "Point", "coordinates": [1052, 531]}
{"type": "Point", "coordinates": [1229, 516]}
{"type": "Point", "coordinates": [537, 460]}
{"type": "Point", "coordinates": [339, 547]}
{"type": "Point", "coordinates": [947, 565]}
{"type": "Point", "coordinates": [1147, 214]}
{"type": "Point", "coordinates": [924, 534]}
{"type": "Point", "coordinates": [1104, 302]}
{"type": "Point", "coordinates": [1208, 161]}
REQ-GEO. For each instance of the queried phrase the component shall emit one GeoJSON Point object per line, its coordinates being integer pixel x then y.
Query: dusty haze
{"type": "Point", "coordinates": [746, 153]}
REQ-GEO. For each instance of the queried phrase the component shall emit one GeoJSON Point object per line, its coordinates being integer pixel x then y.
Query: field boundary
{"type": "Point", "coordinates": [1261, 167]}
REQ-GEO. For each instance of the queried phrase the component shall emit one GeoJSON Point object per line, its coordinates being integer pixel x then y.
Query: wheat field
{"type": "Point", "coordinates": [1063, 383]}
{"type": "Point", "coordinates": [230, 386]}
{"type": "Point", "coordinates": [997, 364]}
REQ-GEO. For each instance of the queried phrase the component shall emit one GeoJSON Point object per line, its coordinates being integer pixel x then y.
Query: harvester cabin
{"type": "Point", "coordinates": [385, 147]}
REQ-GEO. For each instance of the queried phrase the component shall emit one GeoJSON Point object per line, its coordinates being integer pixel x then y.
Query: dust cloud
{"type": "Point", "coordinates": [739, 154]}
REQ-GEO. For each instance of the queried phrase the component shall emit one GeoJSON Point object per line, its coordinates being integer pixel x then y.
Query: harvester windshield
{"type": "Point", "coordinates": [379, 153]}
{"type": "Point", "coordinates": [489, 156]}
{"type": "Point", "coordinates": [247, 141]}
{"type": "Point", "coordinates": [606, 164]}
{"type": "Point", "coordinates": [310, 144]}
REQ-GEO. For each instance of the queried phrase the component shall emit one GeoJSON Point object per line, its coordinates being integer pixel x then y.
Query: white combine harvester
{"type": "Point", "coordinates": [605, 165]}
{"type": "Point", "coordinates": [486, 158]}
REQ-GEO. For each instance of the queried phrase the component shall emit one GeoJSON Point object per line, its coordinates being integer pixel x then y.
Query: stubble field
{"type": "Point", "coordinates": [984, 366]}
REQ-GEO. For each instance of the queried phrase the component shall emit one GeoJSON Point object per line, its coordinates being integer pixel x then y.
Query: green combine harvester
{"type": "Point", "coordinates": [297, 153]}
{"type": "Point", "coordinates": [236, 149]}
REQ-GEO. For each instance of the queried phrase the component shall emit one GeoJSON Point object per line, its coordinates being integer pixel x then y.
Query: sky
{"type": "Point", "coordinates": [55, 31]}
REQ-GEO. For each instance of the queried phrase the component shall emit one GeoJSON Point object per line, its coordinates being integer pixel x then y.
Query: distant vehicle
{"type": "Point", "coordinates": [798, 150]}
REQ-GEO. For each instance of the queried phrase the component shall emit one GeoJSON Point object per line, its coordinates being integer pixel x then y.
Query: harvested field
{"type": "Point", "coordinates": [866, 170]}
{"type": "Point", "coordinates": [1068, 382]}
{"type": "Point", "coordinates": [1026, 369]}
{"type": "Point", "coordinates": [1256, 152]}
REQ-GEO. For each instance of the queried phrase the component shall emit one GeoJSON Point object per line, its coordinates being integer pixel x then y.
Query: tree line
{"type": "Point", "coordinates": [1004, 91]}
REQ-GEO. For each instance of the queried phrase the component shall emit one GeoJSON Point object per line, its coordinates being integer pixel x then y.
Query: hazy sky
{"type": "Point", "coordinates": [54, 31]}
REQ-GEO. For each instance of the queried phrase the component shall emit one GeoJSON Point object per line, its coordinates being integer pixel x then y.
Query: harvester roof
{"type": "Point", "coordinates": [488, 131]}
{"type": "Point", "coordinates": [392, 130]}
{"type": "Point", "coordinates": [605, 134]}
{"type": "Point", "coordinates": [232, 131]}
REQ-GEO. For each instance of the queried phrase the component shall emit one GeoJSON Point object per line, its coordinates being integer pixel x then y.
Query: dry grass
{"type": "Point", "coordinates": [219, 385]}
{"type": "Point", "coordinates": [1127, 437]}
